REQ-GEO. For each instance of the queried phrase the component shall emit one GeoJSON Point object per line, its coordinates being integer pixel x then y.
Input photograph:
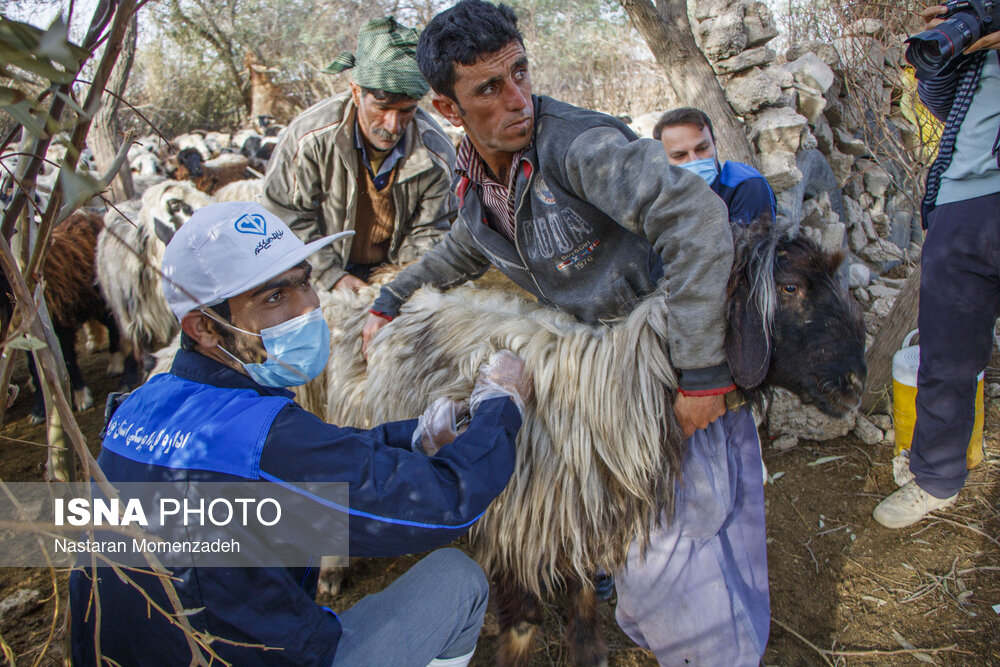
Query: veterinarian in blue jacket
{"type": "Point", "coordinates": [688, 138]}
{"type": "Point", "coordinates": [264, 332]}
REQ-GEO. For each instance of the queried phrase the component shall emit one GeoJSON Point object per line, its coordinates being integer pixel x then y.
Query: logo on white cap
{"type": "Point", "coordinates": [251, 223]}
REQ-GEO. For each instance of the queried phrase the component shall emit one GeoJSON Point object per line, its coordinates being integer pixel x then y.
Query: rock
{"type": "Point", "coordinates": [811, 72]}
{"type": "Point", "coordinates": [890, 436]}
{"type": "Point", "coordinates": [833, 237]}
{"type": "Point", "coordinates": [877, 180]}
{"type": "Point", "coordinates": [788, 415]}
{"type": "Point", "coordinates": [862, 295]}
{"type": "Point", "coordinates": [834, 111]}
{"type": "Point", "coordinates": [867, 224]}
{"type": "Point", "coordinates": [861, 51]}
{"type": "Point", "coordinates": [880, 306]}
{"type": "Point", "coordinates": [759, 24]}
{"type": "Point", "coordinates": [859, 275]}
{"type": "Point", "coordinates": [705, 9]}
{"type": "Point", "coordinates": [809, 142]}
{"type": "Point", "coordinates": [811, 104]}
{"type": "Point", "coordinates": [869, 27]}
{"type": "Point", "coordinates": [879, 291]}
{"type": "Point", "coordinates": [785, 442]}
{"type": "Point", "coordinates": [901, 228]}
{"type": "Point", "coordinates": [20, 603]}
{"type": "Point", "coordinates": [884, 422]}
{"type": "Point", "coordinates": [881, 225]}
{"type": "Point", "coordinates": [752, 90]}
{"type": "Point", "coordinates": [856, 239]}
{"type": "Point", "coordinates": [992, 389]}
{"type": "Point", "coordinates": [778, 130]}
{"type": "Point", "coordinates": [823, 132]}
{"type": "Point", "coordinates": [824, 51]}
{"type": "Point", "coordinates": [883, 254]}
{"type": "Point", "coordinates": [723, 36]}
{"type": "Point", "coordinates": [841, 165]}
{"type": "Point", "coordinates": [849, 145]}
{"type": "Point", "coordinates": [757, 57]}
{"type": "Point", "coordinates": [780, 170]}
{"type": "Point", "coordinates": [867, 432]}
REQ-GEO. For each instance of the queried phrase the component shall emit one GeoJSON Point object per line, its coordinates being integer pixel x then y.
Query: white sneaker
{"type": "Point", "coordinates": [908, 505]}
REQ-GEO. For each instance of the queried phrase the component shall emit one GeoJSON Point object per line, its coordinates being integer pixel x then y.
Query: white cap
{"type": "Point", "coordinates": [226, 249]}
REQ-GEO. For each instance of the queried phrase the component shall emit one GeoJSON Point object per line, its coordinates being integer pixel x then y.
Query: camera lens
{"type": "Point", "coordinates": [934, 50]}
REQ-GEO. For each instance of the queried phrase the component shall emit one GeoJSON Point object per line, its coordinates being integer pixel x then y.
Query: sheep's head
{"type": "Point", "coordinates": [189, 164]}
{"type": "Point", "coordinates": [170, 204]}
{"type": "Point", "coordinates": [792, 324]}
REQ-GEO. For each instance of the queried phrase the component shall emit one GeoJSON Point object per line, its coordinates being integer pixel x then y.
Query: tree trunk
{"type": "Point", "coordinates": [103, 138]}
{"type": "Point", "coordinates": [669, 36]}
{"type": "Point", "coordinates": [901, 320]}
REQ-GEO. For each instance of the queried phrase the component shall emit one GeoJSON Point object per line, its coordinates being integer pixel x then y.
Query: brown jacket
{"type": "Point", "coordinates": [312, 179]}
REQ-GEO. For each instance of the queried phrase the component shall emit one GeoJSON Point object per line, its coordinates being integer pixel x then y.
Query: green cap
{"type": "Point", "coordinates": [385, 59]}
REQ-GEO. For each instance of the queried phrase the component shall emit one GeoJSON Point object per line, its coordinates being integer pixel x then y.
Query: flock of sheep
{"type": "Point", "coordinates": [104, 261]}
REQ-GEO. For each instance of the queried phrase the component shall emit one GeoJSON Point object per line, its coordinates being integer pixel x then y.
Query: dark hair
{"type": "Point", "coordinates": [463, 34]}
{"type": "Point", "coordinates": [386, 97]}
{"type": "Point", "coordinates": [220, 309]}
{"type": "Point", "coordinates": [684, 116]}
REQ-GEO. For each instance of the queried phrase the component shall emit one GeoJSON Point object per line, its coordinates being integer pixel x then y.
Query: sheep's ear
{"type": "Point", "coordinates": [747, 351]}
{"type": "Point", "coordinates": [164, 231]}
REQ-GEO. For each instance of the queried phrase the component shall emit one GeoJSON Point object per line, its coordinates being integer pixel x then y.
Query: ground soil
{"type": "Point", "coordinates": [843, 589]}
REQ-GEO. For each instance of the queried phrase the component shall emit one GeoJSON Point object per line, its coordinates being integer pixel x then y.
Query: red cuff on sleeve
{"type": "Point", "coordinates": [388, 318]}
{"type": "Point", "coordinates": [709, 392]}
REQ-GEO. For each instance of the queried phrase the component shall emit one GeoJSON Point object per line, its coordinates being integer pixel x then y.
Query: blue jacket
{"type": "Point", "coordinates": [746, 193]}
{"type": "Point", "coordinates": [279, 442]}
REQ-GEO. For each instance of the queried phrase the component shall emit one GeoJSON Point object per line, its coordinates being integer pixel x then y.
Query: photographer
{"type": "Point", "coordinates": [960, 281]}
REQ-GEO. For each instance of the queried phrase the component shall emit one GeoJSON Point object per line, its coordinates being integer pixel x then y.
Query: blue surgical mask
{"type": "Point", "coordinates": [297, 350]}
{"type": "Point", "coordinates": [707, 168]}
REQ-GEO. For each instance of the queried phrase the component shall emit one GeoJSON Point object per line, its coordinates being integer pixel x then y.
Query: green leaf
{"type": "Point", "coordinates": [26, 342]}
{"type": "Point", "coordinates": [21, 111]}
{"type": "Point", "coordinates": [10, 96]}
{"type": "Point", "coordinates": [77, 187]}
{"type": "Point", "coordinates": [55, 45]}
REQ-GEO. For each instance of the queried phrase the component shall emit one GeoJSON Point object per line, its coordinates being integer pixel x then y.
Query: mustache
{"type": "Point", "coordinates": [382, 133]}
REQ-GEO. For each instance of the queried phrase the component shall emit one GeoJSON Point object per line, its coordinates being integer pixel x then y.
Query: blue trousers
{"type": "Point", "coordinates": [700, 596]}
{"type": "Point", "coordinates": [959, 303]}
{"type": "Point", "coordinates": [434, 610]}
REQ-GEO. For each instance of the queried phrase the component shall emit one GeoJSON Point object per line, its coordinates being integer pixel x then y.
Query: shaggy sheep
{"type": "Point", "coordinates": [72, 299]}
{"type": "Point", "coordinates": [211, 175]}
{"type": "Point", "coordinates": [245, 190]}
{"type": "Point", "coordinates": [578, 497]}
{"type": "Point", "coordinates": [129, 253]}
{"type": "Point", "coordinates": [193, 140]}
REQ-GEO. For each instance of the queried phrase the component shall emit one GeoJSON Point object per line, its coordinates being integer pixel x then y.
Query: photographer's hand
{"type": "Point", "coordinates": [930, 14]}
{"type": "Point", "coordinates": [988, 42]}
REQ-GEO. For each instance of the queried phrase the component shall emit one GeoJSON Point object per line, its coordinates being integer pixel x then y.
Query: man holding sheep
{"type": "Point", "coordinates": [573, 208]}
{"type": "Point", "coordinates": [369, 161]}
{"type": "Point", "coordinates": [236, 279]}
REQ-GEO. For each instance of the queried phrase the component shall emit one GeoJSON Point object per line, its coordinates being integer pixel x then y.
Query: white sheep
{"type": "Point", "coordinates": [129, 255]}
{"type": "Point", "coordinates": [245, 190]}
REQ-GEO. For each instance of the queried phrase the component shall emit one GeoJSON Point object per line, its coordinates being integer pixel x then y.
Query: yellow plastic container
{"type": "Point", "coordinates": [905, 364]}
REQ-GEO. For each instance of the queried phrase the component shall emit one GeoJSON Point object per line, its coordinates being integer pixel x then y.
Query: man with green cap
{"type": "Point", "coordinates": [368, 160]}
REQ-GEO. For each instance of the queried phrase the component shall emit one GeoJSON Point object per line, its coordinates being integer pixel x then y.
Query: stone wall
{"type": "Point", "coordinates": [807, 134]}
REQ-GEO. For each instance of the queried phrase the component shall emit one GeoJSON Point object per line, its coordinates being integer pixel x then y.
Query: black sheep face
{"type": "Point", "coordinates": [191, 159]}
{"type": "Point", "coordinates": [818, 331]}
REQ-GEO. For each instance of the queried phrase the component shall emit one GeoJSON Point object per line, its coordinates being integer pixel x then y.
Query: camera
{"type": "Point", "coordinates": [936, 50]}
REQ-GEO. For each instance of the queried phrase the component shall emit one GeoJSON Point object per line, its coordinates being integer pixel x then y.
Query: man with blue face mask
{"type": "Point", "coordinates": [687, 136]}
{"type": "Point", "coordinates": [236, 278]}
